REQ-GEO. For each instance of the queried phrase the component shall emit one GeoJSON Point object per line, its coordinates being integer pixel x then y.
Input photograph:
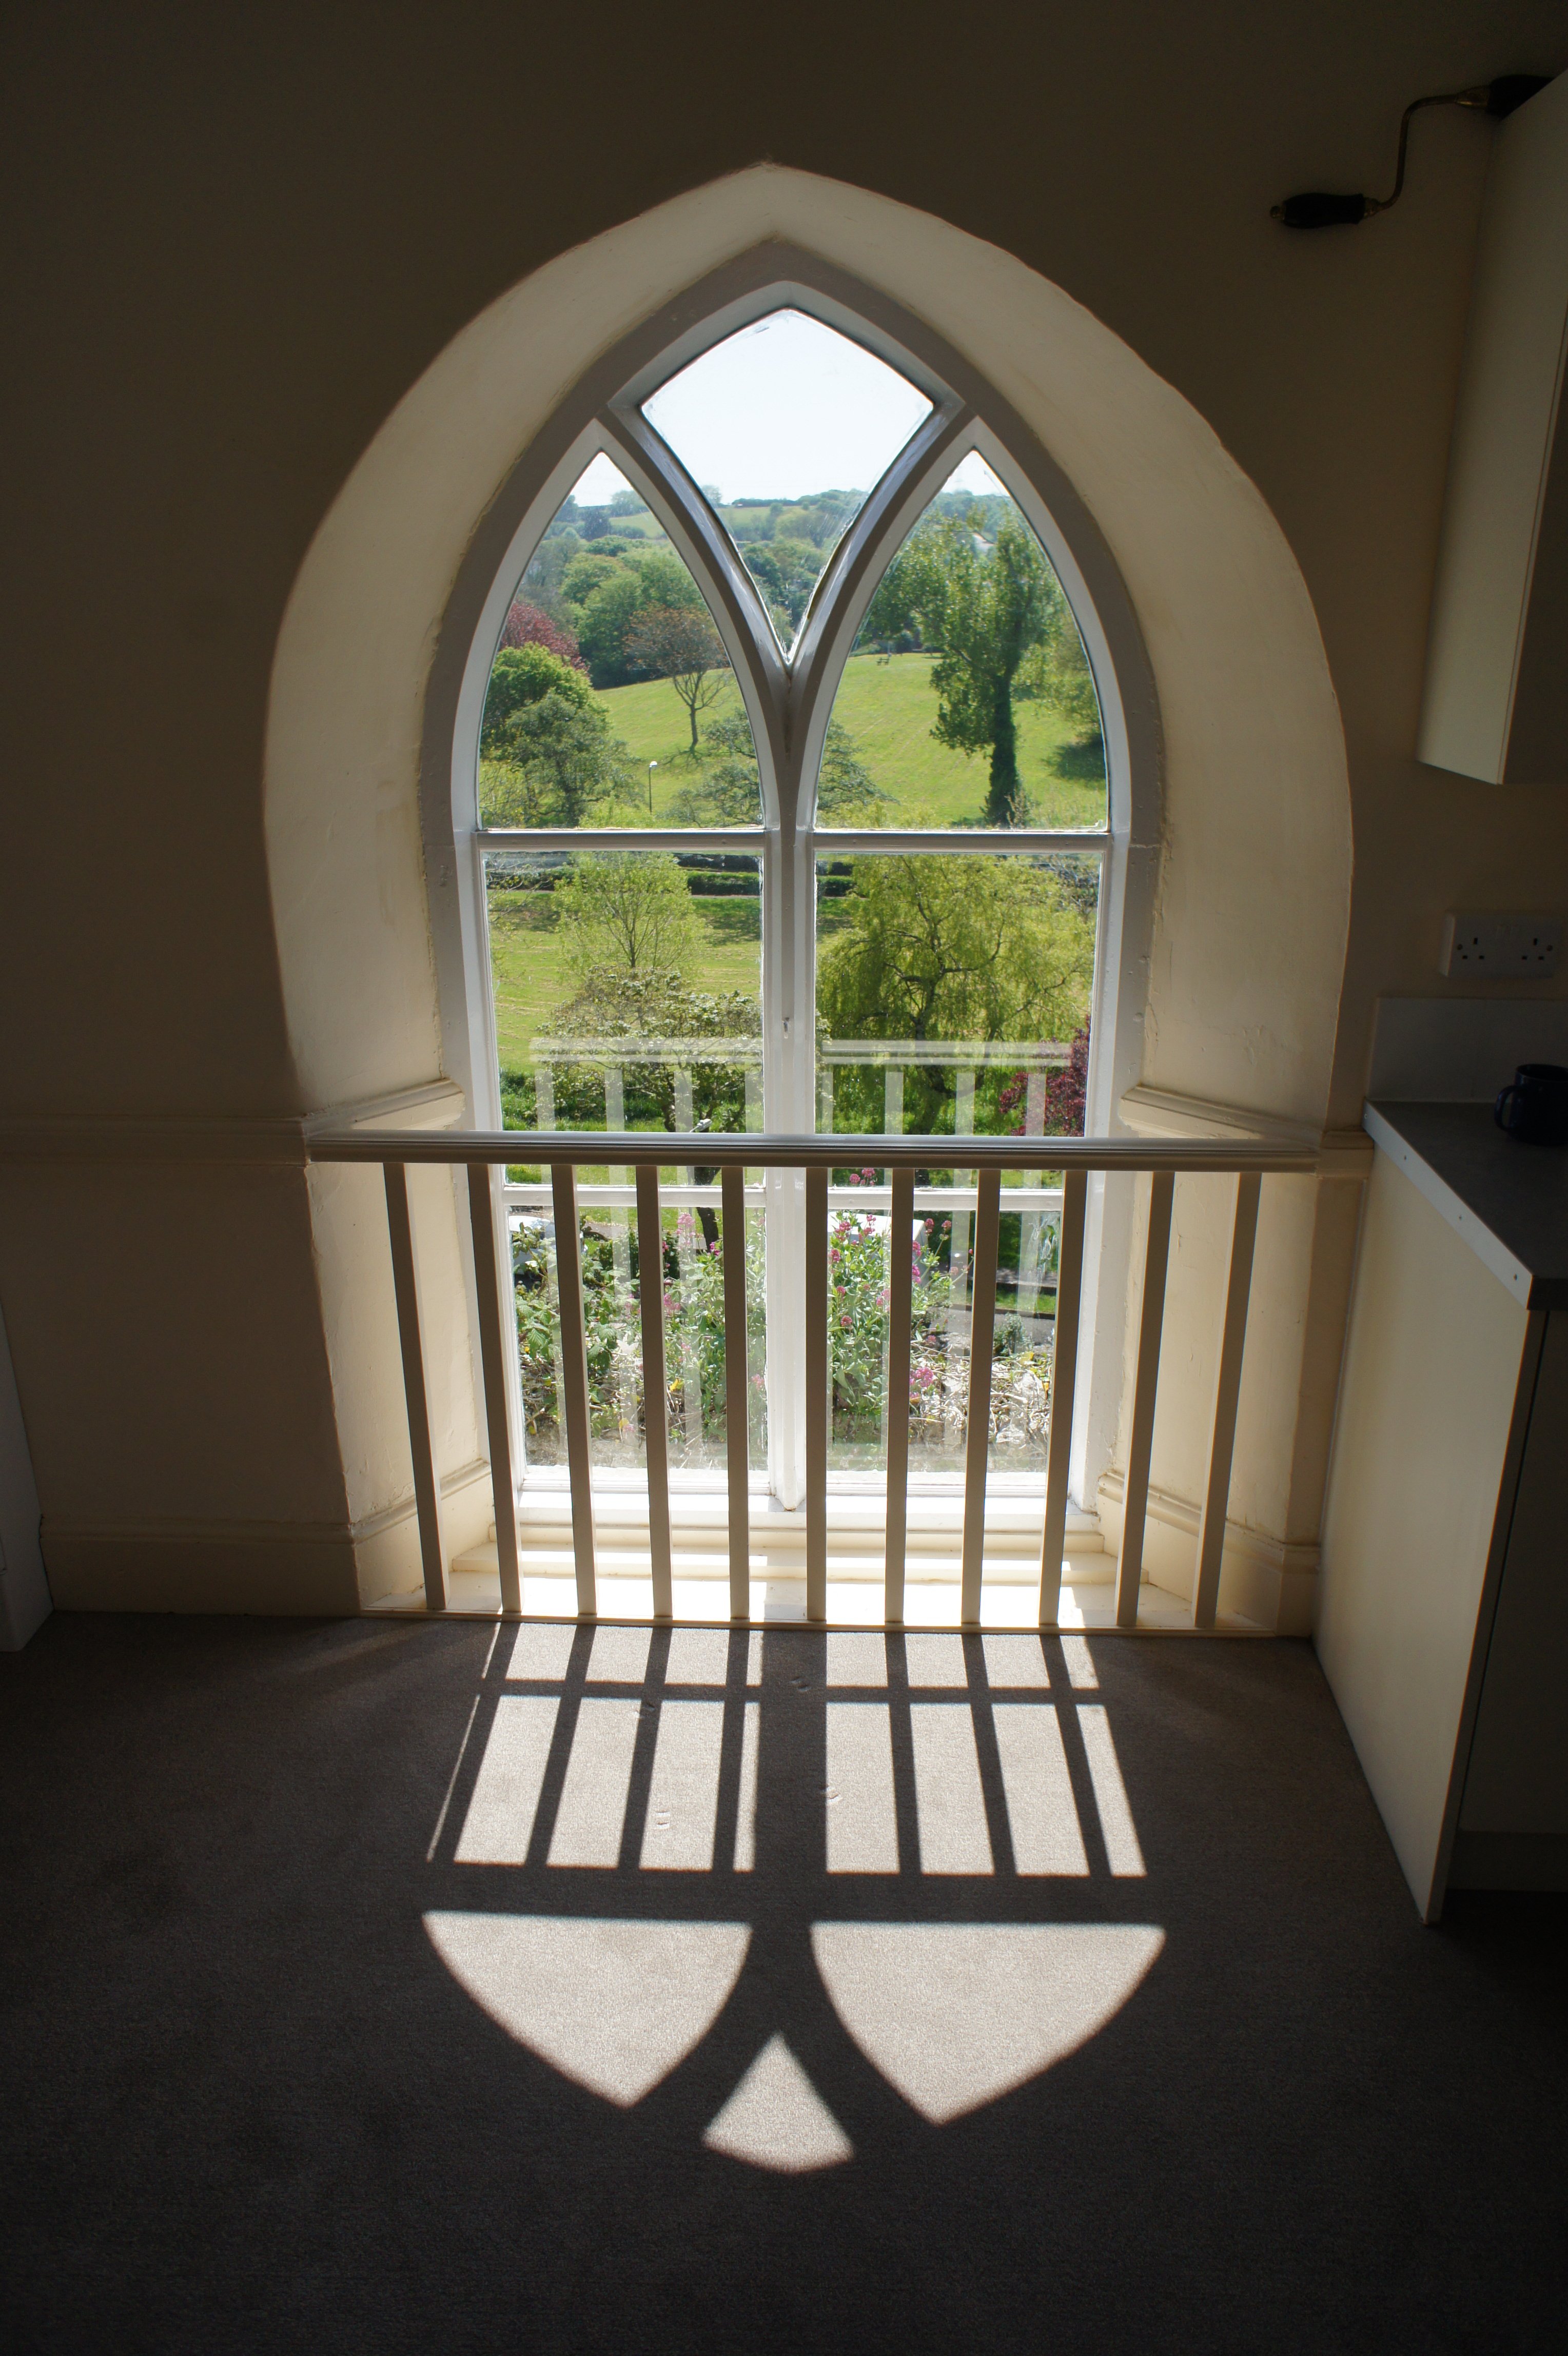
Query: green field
{"type": "Point", "coordinates": [532, 976]}
{"type": "Point", "coordinates": [888, 708]}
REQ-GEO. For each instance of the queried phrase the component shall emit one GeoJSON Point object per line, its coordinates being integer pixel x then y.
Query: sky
{"type": "Point", "coordinates": [783, 409]}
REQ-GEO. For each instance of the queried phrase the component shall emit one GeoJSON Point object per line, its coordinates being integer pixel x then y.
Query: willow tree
{"type": "Point", "coordinates": [955, 949]}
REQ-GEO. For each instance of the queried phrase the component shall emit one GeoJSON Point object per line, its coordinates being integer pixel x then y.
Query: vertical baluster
{"type": "Point", "coordinates": [982, 1341]}
{"type": "Point", "coordinates": [494, 1320]}
{"type": "Point", "coordinates": [737, 1453]}
{"type": "Point", "coordinates": [900, 1272]}
{"type": "Point", "coordinates": [1130, 1567]}
{"type": "Point", "coordinates": [1032, 1228]}
{"type": "Point", "coordinates": [959, 1237]}
{"type": "Point", "coordinates": [620, 1255]}
{"type": "Point", "coordinates": [818, 1404]}
{"type": "Point", "coordinates": [1227, 1392]}
{"type": "Point", "coordinates": [544, 1120]}
{"type": "Point", "coordinates": [1064, 1377]}
{"type": "Point", "coordinates": [575, 1381]}
{"type": "Point", "coordinates": [688, 1226]}
{"type": "Point", "coordinates": [405, 1288]}
{"type": "Point", "coordinates": [655, 1384]}
{"type": "Point", "coordinates": [892, 1126]}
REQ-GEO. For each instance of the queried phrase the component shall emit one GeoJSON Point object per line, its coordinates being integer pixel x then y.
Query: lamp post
{"type": "Point", "coordinates": [651, 766]}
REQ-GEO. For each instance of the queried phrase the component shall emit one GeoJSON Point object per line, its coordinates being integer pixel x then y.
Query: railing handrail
{"type": "Point", "coordinates": [733, 1047]}
{"type": "Point", "coordinates": [722, 1148]}
{"type": "Point", "coordinates": [731, 1152]}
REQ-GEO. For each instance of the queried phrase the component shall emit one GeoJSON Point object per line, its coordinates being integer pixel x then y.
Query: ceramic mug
{"type": "Point", "coordinates": [1534, 1107]}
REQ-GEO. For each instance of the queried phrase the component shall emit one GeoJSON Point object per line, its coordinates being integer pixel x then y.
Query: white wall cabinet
{"type": "Point", "coordinates": [1443, 1621]}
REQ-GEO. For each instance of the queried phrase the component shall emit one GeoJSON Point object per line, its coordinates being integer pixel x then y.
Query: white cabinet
{"type": "Point", "coordinates": [1442, 1623]}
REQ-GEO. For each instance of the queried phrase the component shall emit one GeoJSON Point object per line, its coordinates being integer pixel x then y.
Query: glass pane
{"type": "Point", "coordinates": [968, 700]}
{"type": "Point", "coordinates": [628, 996]}
{"type": "Point", "coordinates": [787, 426]}
{"type": "Point", "coordinates": [611, 701]}
{"type": "Point", "coordinates": [953, 996]}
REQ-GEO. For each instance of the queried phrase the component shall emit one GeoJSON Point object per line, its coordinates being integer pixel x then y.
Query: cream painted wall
{"type": "Point", "coordinates": [241, 239]}
{"type": "Point", "coordinates": [1243, 982]}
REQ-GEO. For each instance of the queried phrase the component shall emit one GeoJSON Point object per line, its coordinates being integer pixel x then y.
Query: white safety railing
{"type": "Point", "coordinates": [984, 1161]}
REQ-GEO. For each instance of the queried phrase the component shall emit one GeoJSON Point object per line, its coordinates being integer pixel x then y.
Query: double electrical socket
{"type": "Point", "coordinates": [1487, 948]}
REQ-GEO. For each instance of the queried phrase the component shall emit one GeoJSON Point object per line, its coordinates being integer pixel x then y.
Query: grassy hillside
{"type": "Point", "coordinates": [888, 709]}
{"type": "Point", "coordinates": [533, 976]}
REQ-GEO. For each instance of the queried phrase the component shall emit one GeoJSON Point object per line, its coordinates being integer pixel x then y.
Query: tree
{"type": "Point", "coordinates": [585, 573]}
{"type": "Point", "coordinates": [731, 793]}
{"type": "Point", "coordinates": [1056, 673]}
{"type": "Point", "coordinates": [605, 621]}
{"type": "Point", "coordinates": [981, 608]}
{"type": "Point", "coordinates": [1066, 1094]}
{"type": "Point", "coordinates": [664, 580]}
{"type": "Point", "coordinates": [680, 643]}
{"type": "Point", "coordinates": [626, 912]}
{"type": "Point", "coordinates": [528, 625]}
{"type": "Point", "coordinates": [555, 759]}
{"type": "Point", "coordinates": [844, 785]}
{"type": "Point", "coordinates": [523, 675]}
{"type": "Point", "coordinates": [945, 949]}
{"type": "Point", "coordinates": [786, 571]}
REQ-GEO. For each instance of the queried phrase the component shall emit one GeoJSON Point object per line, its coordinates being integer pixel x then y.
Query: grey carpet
{"type": "Point", "coordinates": [245, 2103]}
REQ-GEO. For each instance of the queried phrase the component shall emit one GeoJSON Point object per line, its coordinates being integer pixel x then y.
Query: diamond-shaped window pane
{"type": "Point", "coordinates": [788, 426]}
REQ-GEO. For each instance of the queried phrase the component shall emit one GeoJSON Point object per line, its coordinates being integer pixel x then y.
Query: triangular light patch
{"type": "Point", "coordinates": [777, 2119]}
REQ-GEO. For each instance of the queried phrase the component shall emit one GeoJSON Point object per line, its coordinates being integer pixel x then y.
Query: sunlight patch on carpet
{"type": "Point", "coordinates": [955, 2014]}
{"type": "Point", "coordinates": [613, 2006]}
{"type": "Point", "coordinates": [777, 2119]}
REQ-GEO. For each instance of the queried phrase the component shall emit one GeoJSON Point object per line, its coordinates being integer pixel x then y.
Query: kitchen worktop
{"type": "Point", "coordinates": [1509, 1201]}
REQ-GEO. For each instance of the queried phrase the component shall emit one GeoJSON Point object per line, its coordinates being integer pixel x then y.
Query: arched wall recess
{"type": "Point", "coordinates": [1234, 997]}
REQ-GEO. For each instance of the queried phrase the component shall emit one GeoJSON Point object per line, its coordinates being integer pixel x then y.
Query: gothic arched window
{"type": "Point", "coordinates": [784, 772]}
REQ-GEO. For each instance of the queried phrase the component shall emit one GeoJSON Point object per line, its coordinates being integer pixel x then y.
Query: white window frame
{"type": "Point", "coordinates": [789, 702]}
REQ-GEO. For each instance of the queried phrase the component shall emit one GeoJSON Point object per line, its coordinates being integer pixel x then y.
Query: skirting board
{"type": "Point", "coordinates": [1264, 1580]}
{"type": "Point", "coordinates": [1508, 1861]}
{"type": "Point", "coordinates": [283, 1567]}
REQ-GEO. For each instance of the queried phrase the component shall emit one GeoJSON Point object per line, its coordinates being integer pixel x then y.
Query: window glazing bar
{"type": "Point", "coordinates": [905, 842]}
{"type": "Point", "coordinates": [515, 840]}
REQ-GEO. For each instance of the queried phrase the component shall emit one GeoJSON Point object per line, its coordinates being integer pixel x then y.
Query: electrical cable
{"type": "Point", "coordinates": [1322, 209]}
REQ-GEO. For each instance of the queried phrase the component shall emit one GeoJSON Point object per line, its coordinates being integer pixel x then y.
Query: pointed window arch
{"type": "Point", "coordinates": [790, 788]}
